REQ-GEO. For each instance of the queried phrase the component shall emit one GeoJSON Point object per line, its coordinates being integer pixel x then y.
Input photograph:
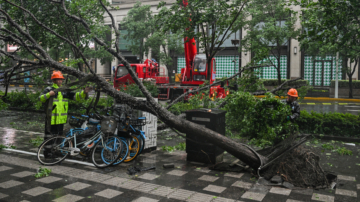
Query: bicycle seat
{"type": "Point", "coordinates": [94, 121]}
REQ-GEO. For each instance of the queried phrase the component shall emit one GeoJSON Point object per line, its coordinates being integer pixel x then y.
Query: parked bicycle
{"type": "Point", "coordinates": [105, 148]}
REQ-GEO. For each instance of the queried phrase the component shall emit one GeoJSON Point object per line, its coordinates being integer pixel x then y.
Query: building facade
{"type": "Point", "coordinates": [294, 63]}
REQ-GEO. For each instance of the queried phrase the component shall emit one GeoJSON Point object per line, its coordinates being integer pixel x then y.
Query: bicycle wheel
{"type": "Point", "coordinates": [54, 150]}
{"type": "Point", "coordinates": [134, 148]}
{"type": "Point", "coordinates": [104, 156]}
{"type": "Point", "coordinates": [142, 143]}
{"type": "Point", "coordinates": [123, 153]}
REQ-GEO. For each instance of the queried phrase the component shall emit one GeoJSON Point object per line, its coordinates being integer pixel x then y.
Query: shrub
{"type": "Point", "coordinates": [135, 91]}
{"type": "Point", "coordinates": [345, 84]}
{"type": "Point", "coordinates": [332, 123]}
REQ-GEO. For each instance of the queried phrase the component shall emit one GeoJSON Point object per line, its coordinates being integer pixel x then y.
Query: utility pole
{"type": "Point", "coordinates": [337, 78]}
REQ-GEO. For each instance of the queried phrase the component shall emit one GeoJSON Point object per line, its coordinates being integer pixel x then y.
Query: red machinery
{"type": "Point", "coordinates": [148, 70]}
{"type": "Point", "coordinates": [194, 74]}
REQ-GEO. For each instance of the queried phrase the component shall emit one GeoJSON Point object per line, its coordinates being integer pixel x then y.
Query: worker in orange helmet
{"type": "Point", "coordinates": [60, 106]}
{"type": "Point", "coordinates": [292, 96]}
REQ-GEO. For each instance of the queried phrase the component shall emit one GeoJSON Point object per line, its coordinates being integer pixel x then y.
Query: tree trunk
{"type": "Point", "coordinates": [350, 86]}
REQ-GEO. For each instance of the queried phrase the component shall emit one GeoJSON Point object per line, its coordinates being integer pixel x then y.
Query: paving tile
{"type": "Point", "coordinates": [344, 177]}
{"type": "Point", "coordinates": [208, 178]}
{"type": "Point", "coordinates": [146, 187]}
{"type": "Point", "coordinates": [10, 183]}
{"type": "Point", "coordinates": [222, 199]}
{"type": "Point", "coordinates": [203, 170]}
{"type": "Point", "coordinates": [115, 181]}
{"type": "Point", "coordinates": [4, 168]}
{"type": "Point", "coordinates": [145, 199]}
{"type": "Point", "coordinates": [358, 186]}
{"type": "Point", "coordinates": [241, 184]}
{"type": "Point", "coordinates": [130, 184]}
{"type": "Point", "coordinates": [162, 191]}
{"type": "Point", "coordinates": [48, 180]}
{"type": "Point", "coordinates": [234, 175]}
{"type": "Point", "coordinates": [308, 192]}
{"type": "Point", "coordinates": [36, 191]}
{"type": "Point", "coordinates": [346, 192]}
{"type": "Point", "coordinates": [77, 186]}
{"type": "Point", "coordinates": [214, 188]}
{"type": "Point", "coordinates": [321, 197]}
{"type": "Point", "coordinates": [23, 174]}
{"type": "Point", "coordinates": [109, 193]}
{"type": "Point", "coordinates": [177, 172]}
{"type": "Point", "coordinates": [3, 195]}
{"type": "Point", "coordinates": [291, 200]}
{"type": "Point", "coordinates": [148, 176]}
{"type": "Point", "coordinates": [253, 196]}
{"type": "Point", "coordinates": [94, 176]}
{"type": "Point", "coordinates": [149, 161]}
{"type": "Point", "coordinates": [25, 201]}
{"type": "Point", "coordinates": [69, 197]}
{"type": "Point", "coordinates": [282, 191]}
{"type": "Point", "coordinates": [181, 194]}
{"type": "Point", "coordinates": [200, 197]}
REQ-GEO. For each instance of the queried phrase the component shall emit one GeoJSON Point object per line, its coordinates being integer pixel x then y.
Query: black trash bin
{"type": "Point", "coordinates": [213, 119]}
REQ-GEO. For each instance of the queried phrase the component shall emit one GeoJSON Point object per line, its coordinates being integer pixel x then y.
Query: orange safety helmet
{"type": "Point", "coordinates": [293, 92]}
{"type": "Point", "coordinates": [57, 75]}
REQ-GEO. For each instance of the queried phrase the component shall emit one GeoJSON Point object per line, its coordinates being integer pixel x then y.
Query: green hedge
{"type": "Point", "coordinates": [345, 84]}
{"type": "Point", "coordinates": [332, 123]}
{"type": "Point", "coordinates": [274, 82]}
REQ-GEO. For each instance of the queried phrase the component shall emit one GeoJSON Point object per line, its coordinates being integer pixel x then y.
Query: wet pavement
{"type": "Point", "coordinates": [78, 180]}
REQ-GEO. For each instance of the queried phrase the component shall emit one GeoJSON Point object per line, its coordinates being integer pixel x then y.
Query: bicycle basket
{"type": "Point", "coordinates": [141, 121]}
{"type": "Point", "coordinates": [108, 124]}
{"type": "Point", "coordinates": [76, 121]}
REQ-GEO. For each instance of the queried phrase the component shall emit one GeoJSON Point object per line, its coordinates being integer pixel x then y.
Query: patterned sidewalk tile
{"type": "Point", "coordinates": [68, 197]}
{"type": "Point", "coordinates": [148, 176]}
{"type": "Point", "coordinates": [242, 184]}
{"type": "Point", "coordinates": [3, 195]}
{"type": "Point", "coordinates": [291, 200]}
{"type": "Point", "coordinates": [4, 168]}
{"type": "Point", "coordinates": [77, 186]}
{"type": "Point", "coordinates": [10, 183]}
{"type": "Point", "coordinates": [344, 177]}
{"type": "Point", "coordinates": [203, 170]}
{"type": "Point", "coordinates": [181, 194]}
{"type": "Point", "coordinates": [131, 184]}
{"type": "Point", "coordinates": [147, 187]}
{"type": "Point", "coordinates": [253, 196]}
{"type": "Point", "coordinates": [36, 191]}
{"type": "Point", "coordinates": [214, 188]}
{"type": "Point", "coordinates": [282, 191]}
{"type": "Point", "coordinates": [23, 174]}
{"type": "Point", "coordinates": [49, 179]}
{"type": "Point", "coordinates": [109, 193]}
{"type": "Point", "coordinates": [208, 178]}
{"type": "Point", "coordinates": [358, 186]}
{"type": "Point", "coordinates": [346, 192]}
{"type": "Point", "coordinates": [321, 197]}
{"type": "Point", "coordinates": [177, 172]}
{"type": "Point", "coordinates": [115, 181]}
{"type": "Point", "coordinates": [145, 199]}
{"type": "Point", "coordinates": [199, 197]}
{"type": "Point", "coordinates": [222, 199]}
{"type": "Point", "coordinates": [234, 175]}
{"type": "Point", "coordinates": [162, 191]}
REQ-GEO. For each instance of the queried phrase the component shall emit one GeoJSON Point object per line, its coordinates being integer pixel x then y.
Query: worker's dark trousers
{"type": "Point", "coordinates": [55, 131]}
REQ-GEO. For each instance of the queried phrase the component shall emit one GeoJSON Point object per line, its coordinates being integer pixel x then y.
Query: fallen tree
{"type": "Point", "coordinates": [17, 32]}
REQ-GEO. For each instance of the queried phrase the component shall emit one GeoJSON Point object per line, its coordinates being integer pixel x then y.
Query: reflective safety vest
{"type": "Point", "coordinates": [60, 103]}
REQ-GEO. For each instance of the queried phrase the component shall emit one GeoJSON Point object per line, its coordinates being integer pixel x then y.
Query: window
{"type": "Point", "coordinates": [200, 63]}
{"type": "Point", "coordinates": [123, 43]}
{"type": "Point", "coordinates": [122, 71]}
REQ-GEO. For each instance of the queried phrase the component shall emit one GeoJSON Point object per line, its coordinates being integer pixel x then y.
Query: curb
{"type": "Point", "coordinates": [319, 98]}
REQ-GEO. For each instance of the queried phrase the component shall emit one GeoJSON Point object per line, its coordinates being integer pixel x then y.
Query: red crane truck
{"type": "Point", "coordinates": [194, 74]}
